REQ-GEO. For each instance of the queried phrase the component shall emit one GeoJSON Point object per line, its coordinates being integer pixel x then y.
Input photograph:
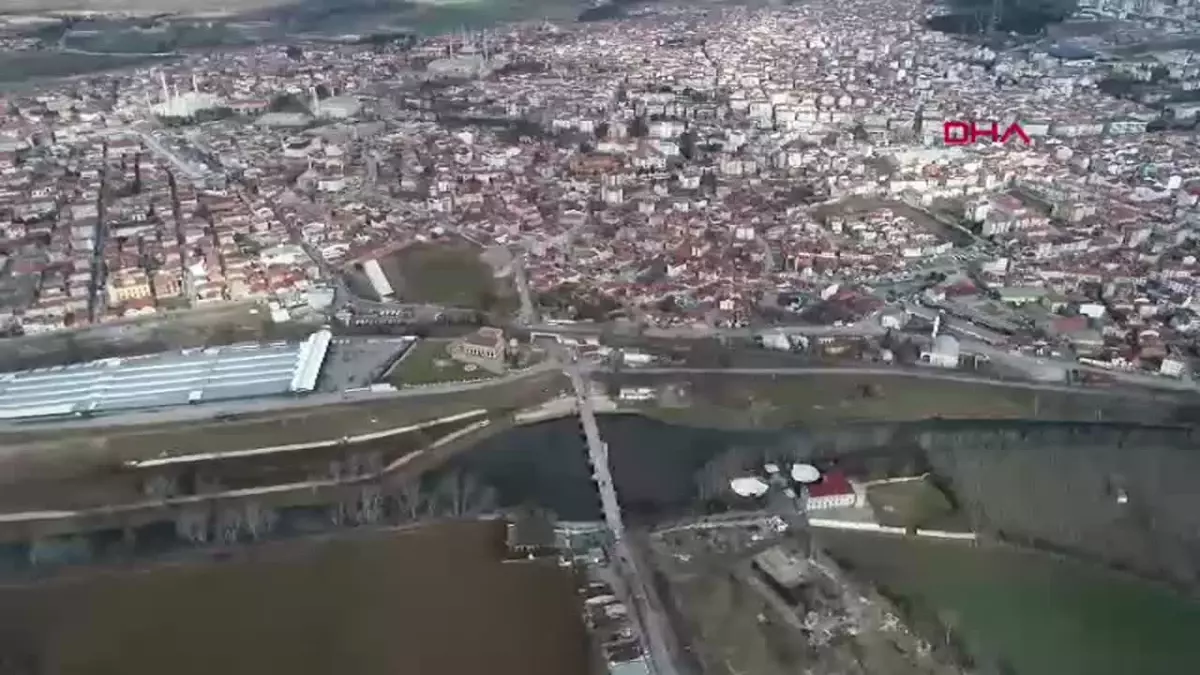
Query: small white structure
{"type": "Point", "coordinates": [1173, 367]}
{"type": "Point", "coordinates": [893, 319]}
{"type": "Point", "coordinates": [805, 473]}
{"type": "Point", "coordinates": [776, 339]}
{"type": "Point", "coordinates": [749, 486]}
{"type": "Point", "coordinates": [945, 352]}
{"type": "Point", "coordinates": [278, 313]}
{"type": "Point", "coordinates": [630, 357]}
{"type": "Point", "coordinates": [636, 394]}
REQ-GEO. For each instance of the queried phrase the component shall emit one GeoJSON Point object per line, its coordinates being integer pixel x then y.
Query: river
{"type": "Point", "coordinates": [1065, 473]}
{"type": "Point", "coordinates": [1045, 483]}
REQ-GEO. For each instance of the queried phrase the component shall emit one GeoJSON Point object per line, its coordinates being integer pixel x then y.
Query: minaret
{"type": "Point", "coordinates": [372, 169]}
{"type": "Point", "coordinates": [316, 102]}
{"type": "Point", "coordinates": [195, 84]}
{"type": "Point", "coordinates": [166, 93]}
{"type": "Point", "coordinates": [937, 325]}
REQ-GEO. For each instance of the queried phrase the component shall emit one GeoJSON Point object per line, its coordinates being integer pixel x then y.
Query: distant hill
{"type": "Point", "coordinates": [140, 7]}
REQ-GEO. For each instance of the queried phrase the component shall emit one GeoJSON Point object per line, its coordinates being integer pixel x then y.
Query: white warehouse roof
{"type": "Point", "coordinates": [167, 379]}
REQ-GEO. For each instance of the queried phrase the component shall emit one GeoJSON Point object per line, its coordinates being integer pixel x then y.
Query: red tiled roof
{"type": "Point", "coordinates": [830, 485]}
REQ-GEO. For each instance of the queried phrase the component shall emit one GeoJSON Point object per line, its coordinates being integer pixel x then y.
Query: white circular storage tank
{"type": "Point", "coordinates": [749, 486]}
{"type": "Point", "coordinates": [805, 473]}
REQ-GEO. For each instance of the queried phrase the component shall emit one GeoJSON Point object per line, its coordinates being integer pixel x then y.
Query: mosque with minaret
{"type": "Point", "coordinates": [186, 105]}
{"type": "Point", "coordinates": [467, 57]}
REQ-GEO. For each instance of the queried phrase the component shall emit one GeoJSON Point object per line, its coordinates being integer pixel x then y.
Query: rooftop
{"type": "Point", "coordinates": [831, 484]}
{"type": "Point", "coordinates": [162, 380]}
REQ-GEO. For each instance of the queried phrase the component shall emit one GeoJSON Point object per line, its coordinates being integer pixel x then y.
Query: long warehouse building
{"type": "Point", "coordinates": [192, 376]}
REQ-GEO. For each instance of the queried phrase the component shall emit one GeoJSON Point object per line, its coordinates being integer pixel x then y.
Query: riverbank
{"type": "Point", "coordinates": [658, 470]}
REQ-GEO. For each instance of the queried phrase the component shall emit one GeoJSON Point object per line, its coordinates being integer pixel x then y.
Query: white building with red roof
{"type": "Point", "coordinates": [831, 492]}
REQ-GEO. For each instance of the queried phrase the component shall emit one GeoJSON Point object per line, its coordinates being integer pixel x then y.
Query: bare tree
{"type": "Point", "coordinates": [410, 501]}
{"type": "Point", "coordinates": [370, 505]}
{"type": "Point", "coordinates": [192, 524]}
{"type": "Point", "coordinates": [259, 521]}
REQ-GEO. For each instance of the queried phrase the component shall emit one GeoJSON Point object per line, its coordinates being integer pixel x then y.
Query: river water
{"type": "Point", "coordinates": [1046, 476]}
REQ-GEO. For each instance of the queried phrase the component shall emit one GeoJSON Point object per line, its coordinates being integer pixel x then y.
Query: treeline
{"type": "Point", "coordinates": [1121, 497]}
{"type": "Point", "coordinates": [223, 523]}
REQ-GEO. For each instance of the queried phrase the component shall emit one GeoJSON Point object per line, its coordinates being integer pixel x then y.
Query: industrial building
{"type": "Point", "coordinates": [379, 280]}
{"type": "Point", "coordinates": [193, 376]}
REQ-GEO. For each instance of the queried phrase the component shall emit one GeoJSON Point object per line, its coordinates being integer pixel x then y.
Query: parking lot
{"type": "Point", "coordinates": [359, 362]}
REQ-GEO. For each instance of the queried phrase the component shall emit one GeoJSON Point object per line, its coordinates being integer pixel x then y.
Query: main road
{"type": "Point", "coordinates": [929, 373]}
{"type": "Point", "coordinates": [1034, 367]}
{"type": "Point", "coordinates": [266, 405]}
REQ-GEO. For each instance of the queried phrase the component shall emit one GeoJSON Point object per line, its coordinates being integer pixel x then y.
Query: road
{"type": "Point", "coordinates": [1036, 368]}
{"type": "Point", "coordinates": [528, 311]}
{"type": "Point", "coordinates": [920, 374]}
{"type": "Point", "coordinates": [209, 411]}
{"type": "Point", "coordinates": [192, 170]}
{"type": "Point", "coordinates": [267, 405]}
{"type": "Point", "coordinates": [646, 606]}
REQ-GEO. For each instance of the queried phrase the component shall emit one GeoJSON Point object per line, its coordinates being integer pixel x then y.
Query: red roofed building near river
{"type": "Point", "coordinates": [832, 491]}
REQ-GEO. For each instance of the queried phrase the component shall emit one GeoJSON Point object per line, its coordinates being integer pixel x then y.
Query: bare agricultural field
{"type": "Point", "coordinates": [436, 599]}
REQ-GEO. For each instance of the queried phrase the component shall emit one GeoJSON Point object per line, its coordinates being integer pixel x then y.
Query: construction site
{"type": "Point", "coordinates": [760, 599]}
{"type": "Point", "coordinates": [754, 592]}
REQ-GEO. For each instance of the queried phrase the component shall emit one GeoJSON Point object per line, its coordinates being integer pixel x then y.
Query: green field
{"type": "Point", "coordinates": [1030, 614]}
{"type": "Point", "coordinates": [428, 362]}
{"type": "Point", "coordinates": [913, 504]}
